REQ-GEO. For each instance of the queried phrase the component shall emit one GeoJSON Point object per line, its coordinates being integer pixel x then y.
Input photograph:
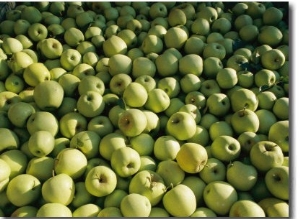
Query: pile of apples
{"type": "Point", "coordinates": [137, 109]}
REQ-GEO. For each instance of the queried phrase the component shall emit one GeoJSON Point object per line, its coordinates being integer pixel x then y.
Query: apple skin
{"type": "Point", "coordinates": [274, 207]}
{"type": "Point", "coordinates": [72, 123]}
{"type": "Point", "coordinates": [135, 205]}
{"type": "Point", "coordinates": [246, 208]}
{"type": "Point", "coordinates": [25, 211]}
{"type": "Point", "coordinates": [214, 170]}
{"type": "Point", "coordinates": [277, 182]}
{"type": "Point", "coordinates": [41, 143]}
{"type": "Point", "coordinates": [54, 210]}
{"type": "Point", "coordinates": [279, 134]}
{"type": "Point", "coordinates": [180, 201]}
{"type": "Point", "coordinates": [114, 199]}
{"type": "Point", "coordinates": [158, 100]}
{"type": "Point", "coordinates": [40, 167]}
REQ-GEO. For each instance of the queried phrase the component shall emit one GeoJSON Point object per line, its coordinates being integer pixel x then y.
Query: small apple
{"type": "Point", "coordinates": [266, 120]}
{"type": "Point", "coordinates": [266, 100]}
{"type": "Point", "coordinates": [245, 120]}
{"type": "Point", "coordinates": [119, 82]}
{"type": "Point", "coordinates": [211, 66]}
{"type": "Point", "coordinates": [209, 87]}
{"type": "Point", "coordinates": [214, 170]}
{"type": "Point", "coordinates": [149, 67]}
{"type": "Point", "coordinates": [214, 49]}
{"type": "Point", "coordinates": [279, 134]}
{"type": "Point", "coordinates": [218, 104]}
{"type": "Point", "coordinates": [70, 58]}
{"type": "Point", "coordinates": [175, 37]}
{"type": "Point", "coordinates": [227, 78]}
{"type": "Point", "coordinates": [90, 104]}
{"type": "Point", "coordinates": [135, 205]}
{"type": "Point", "coordinates": [19, 113]}
{"type": "Point", "coordinates": [171, 172]}
{"type": "Point", "coordinates": [51, 48]}
{"type": "Point", "coordinates": [220, 128]}
{"type": "Point", "coordinates": [166, 147]}
{"type": "Point", "coordinates": [281, 108]}
{"type": "Point", "coordinates": [41, 143]}
{"type": "Point", "coordinates": [142, 143]}
{"type": "Point", "coordinates": [37, 32]}
{"type": "Point", "coordinates": [158, 100]}
{"type": "Point", "coordinates": [167, 64]}
{"type": "Point", "coordinates": [191, 64]}
{"type": "Point", "coordinates": [135, 95]}
{"type": "Point", "coordinates": [114, 45]}
{"type": "Point", "coordinates": [243, 98]}
{"type": "Point", "coordinates": [189, 83]}
{"type": "Point", "coordinates": [158, 9]}
{"type": "Point", "coordinates": [277, 182]}
{"type": "Point", "coordinates": [152, 44]}
{"type": "Point", "coordinates": [71, 124]}
{"type": "Point", "coordinates": [272, 59]}
{"type": "Point", "coordinates": [100, 125]}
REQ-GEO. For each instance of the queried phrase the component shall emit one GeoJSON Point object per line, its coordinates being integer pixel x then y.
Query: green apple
{"type": "Point", "coordinates": [158, 212]}
{"type": "Point", "coordinates": [59, 189]}
{"type": "Point", "coordinates": [37, 32]}
{"type": "Point", "coordinates": [180, 201]}
{"type": "Point", "coordinates": [214, 170]}
{"type": "Point", "coordinates": [245, 173]}
{"type": "Point", "coordinates": [48, 95]}
{"type": "Point", "coordinates": [193, 110]}
{"type": "Point", "coordinates": [40, 167]}
{"type": "Point", "coordinates": [176, 17]}
{"type": "Point", "coordinates": [158, 100]}
{"type": "Point", "coordinates": [119, 82]}
{"type": "Point", "coordinates": [135, 205]}
{"type": "Point", "coordinates": [247, 140]}
{"type": "Point", "coordinates": [114, 45]}
{"type": "Point", "coordinates": [242, 20]}
{"type": "Point", "coordinates": [152, 43]}
{"type": "Point", "coordinates": [221, 25]}
{"type": "Point", "coordinates": [158, 9]}
{"type": "Point", "coordinates": [25, 211]}
{"type": "Point", "coordinates": [125, 161]}
{"type": "Point", "coordinates": [149, 184]}
{"type": "Point", "coordinates": [272, 16]}
{"type": "Point", "coordinates": [191, 157]}
{"type": "Point", "coordinates": [51, 48]}
{"type": "Point", "coordinates": [201, 136]}
{"type": "Point", "coordinates": [73, 36]}
{"type": "Point", "coordinates": [227, 78]}
{"type": "Point", "coordinates": [274, 207]}
{"type": "Point", "coordinates": [211, 66]}
{"type": "Point", "coordinates": [87, 210]}
{"type": "Point", "coordinates": [277, 182]}
{"type": "Point", "coordinates": [189, 83]}
{"type": "Point", "coordinates": [135, 95]}
{"type": "Point", "coordinates": [200, 26]}
{"type": "Point", "coordinates": [272, 59]}
{"type": "Point", "coordinates": [147, 81]}
{"type": "Point", "coordinates": [70, 58]}
{"type": "Point", "coordinates": [41, 143]}
{"type": "Point", "coordinates": [196, 98]}
{"type": "Point", "coordinates": [279, 134]}
{"type": "Point", "coordinates": [90, 104]}
{"type": "Point", "coordinates": [220, 128]}
{"type": "Point", "coordinates": [36, 73]}
{"type": "Point", "coordinates": [19, 113]}
{"type": "Point", "coordinates": [235, 61]}
{"type": "Point", "coordinates": [203, 212]}
{"type": "Point", "coordinates": [266, 154]}
{"type": "Point", "coordinates": [111, 142]}
{"type": "Point", "coordinates": [72, 123]}
{"type": "Point", "coordinates": [266, 120]}
{"type": "Point", "coordinates": [243, 98]}
{"type": "Point", "coordinates": [214, 49]}
{"type": "Point", "coordinates": [194, 45]}
{"type": "Point", "coordinates": [175, 37]}
{"type": "Point", "coordinates": [245, 120]}
{"type": "Point", "coordinates": [270, 35]}
{"type": "Point", "coordinates": [142, 143]}
{"type": "Point", "coordinates": [264, 77]}
{"type": "Point", "coordinates": [4, 176]}
{"type": "Point", "coordinates": [170, 85]}
{"type": "Point", "coordinates": [11, 45]}
{"type": "Point", "coordinates": [90, 58]}
{"type": "Point", "coordinates": [266, 100]}
{"type": "Point", "coordinates": [167, 64]}
{"type": "Point", "coordinates": [149, 67]}
{"type": "Point", "coordinates": [147, 163]}
{"type": "Point", "coordinates": [4, 120]}
{"type": "Point", "coordinates": [255, 9]}
{"type": "Point", "coordinates": [21, 27]}
{"type": "Point", "coordinates": [197, 185]}
{"type": "Point", "coordinates": [207, 12]}
{"type": "Point", "coordinates": [218, 104]}
{"type": "Point", "coordinates": [114, 199]}
{"type": "Point", "coordinates": [54, 210]}
{"type": "Point", "coordinates": [57, 72]}
{"type": "Point", "coordinates": [209, 87]}
{"type": "Point", "coordinates": [82, 70]}
{"type": "Point", "coordinates": [225, 148]}
{"type": "Point", "coordinates": [110, 212]}
{"type": "Point", "coordinates": [223, 192]}
{"type": "Point", "coordinates": [23, 189]}
{"type": "Point", "coordinates": [85, 46]}
{"type": "Point", "coordinates": [246, 208]}
{"type": "Point", "coordinates": [114, 114]}
{"type": "Point", "coordinates": [191, 64]}
{"type": "Point", "coordinates": [7, 99]}
{"type": "Point", "coordinates": [171, 172]}
{"type": "Point", "coordinates": [281, 108]}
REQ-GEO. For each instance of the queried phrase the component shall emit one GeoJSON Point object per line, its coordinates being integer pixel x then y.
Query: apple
{"type": "Point", "coordinates": [11, 45]}
{"type": "Point", "coordinates": [170, 85]}
{"type": "Point", "coordinates": [71, 124]}
{"type": "Point", "coordinates": [207, 120]}
{"type": "Point", "coordinates": [243, 98]}
{"type": "Point", "coordinates": [196, 98]}
{"type": "Point", "coordinates": [268, 152]}
{"type": "Point", "coordinates": [266, 120]}
{"type": "Point", "coordinates": [19, 113]}
{"type": "Point", "coordinates": [152, 44]}
{"type": "Point", "coordinates": [23, 189]}
{"type": "Point", "coordinates": [200, 26]}
{"type": "Point", "coordinates": [149, 184]}
{"type": "Point", "coordinates": [40, 167]}
{"type": "Point", "coordinates": [191, 64]}
{"type": "Point", "coordinates": [73, 36]}
{"type": "Point", "coordinates": [119, 82]}
{"type": "Point", "coordinates": [16, 160]}
{"type": "Point", "coordinates": [158, 100]}
{"type": "Point", "coordinates": [169, 60]}
{"type": "Point", "coordinates": [279, 134]}
{"type": "Point", "coordinates": [54, 210]}
{"type": "Point", "coordinates": [227, 78]}
{"type": "Point", "coordinates": [114, 199]}
{"type": "Point", "coordinates": [214, 170]}
{"type": "Point", "coordinates": [135, 205]}
{"type": "Point", "coordinates": [166, 147]}
{"type": "Point", "coordinates": [114, 45]}
{"type": "Point", "coordinates": [247, 140]}
{"type": "Point", "coordinates": [4, 176]}
{"type": "Point", "coordinates": [57, 72]}
{"type": "Point", "coordinates": [175, 37]}
{"type": "Point", "coordinates": [203, 212]}
{"type": "Point", "coordinates": [142, 143]}
{"type": "Point", "coordinates": [51, 48]}
{"type": "Point", "coordinates": [147, 163]}
{"type": "Point", "coordinates": [135, 95]}
{"type": "Point", "coordinates": [41, 143]}
{"type": "Point", "coordinates": [274, 207]}
{"type": "Point", "coordinates": [70, 58]}
{"type": "Point", "coordinates": [25, 211]}
{"type": "Point", "coordinates": [246, 208]}
{"type": "Point", "coordinates": [90, 104]}
{"type": "Point", "coordinates": [197, 185]}
{"type": "Point", "coordinates": [281, 108]}
{"type": "Point", "coordinates": [37, 32]}
{"type": "Point", "coordinates": [48, 95]}
{"type": "Point", "coordinates": [266, 100]}
{"type": "Point", "coordinates": [209, 87]}
{"type": "Point", "coordinates": [201, 136]}
{"type": "Point", "coordinates": [101, 125]}
{"type": "Point", "coordinates": [245, 120]}
{"type": "Point", "coordinates": [220, 128]}
{"type": "Point", "coordinates": [158, 9]}
{"type": "Point", "coordinates": [87, 210]}
{"type": "Point", "coordinates": [223, 192]}
{"type": "Point", "coordinates": [110, 212]}
{"type": "Point", "coordinates": [193, 110]}
{"type": "Point", "coordinates": [36, 73]}
{"type": "Point", "coordinates": [189, 83]}
{"type": "Point", "coordinates": [218, 104]}
{"type": "Point", "coordinates": [125, 161]}
{"type": "Point", "coordinates": [171, 172]}
{"type": "Point", "coordinates": [180, 201]}
{"type": "Point", "coordinates": [158, 212]}
{"type": "Point", "coordinates": [270, 30]}
{"type": "Point", "coordinates": [82, 70]}
{"type": "Point", "coordinates": [272, 59]}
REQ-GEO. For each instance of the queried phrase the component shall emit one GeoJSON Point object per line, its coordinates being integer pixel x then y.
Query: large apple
{"type": "Point", "coordinates": [135, 95]}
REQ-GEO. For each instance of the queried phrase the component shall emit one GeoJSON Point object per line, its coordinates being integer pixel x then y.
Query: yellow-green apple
{"type": "Point", "coordinates": [180, 201]}
{"type": "Point", "coordinates": [200, 26]}
{"type": "Point", "coordinates": [227, 78]}
{"type": "Point", "coordinates": [272, 16]}
{"type": "Point", "coordinates": [37, 32]}
{"type": "Point", "coordinates": [23, 189]}
{"type": "Point", "coordinates": [203, 212]}
{"type": "Point", "coordinates": [82, 70]}
{"type": "Point", "coordinates": [170, 85]}
{"type": "Point", "coordinates": [275, 207]}
{"type": "Point", "coordinates": [225, 148]}
{"type": "Point", "coordinates": [221, 25]}
{"type": "Point", "coordinates": [245, 173]}
{"type": "Point", "coordinates": [70, 161]}
{"type": "Point", "coordinates": [219, 196]}
{"type": "Point", "coordinates": [281, 108]}
{"type": "Point", "coordinates": [158, 100]}
{"type": "Point", "coordinates": [55, 30]}
{"type": "Point", "coordinates": [19, 113]}
{"type": "Point", "coordinates": [57, 72]}
{"type": "Point", "coordinates": [110, 212]}
{"type": "Point", "coordinates": [171, 172]}
{"type": "Point", "coordinates": [135, 95]}
{"type": "Point", "coordinates": [187, 8]}
{"type": "Point", "coordinates": [175, 104]}
{"type": "Point", "coordinates": [214, 49]}
{"type": "Point", "coordinates": [197, 185]}
{"type": "Point", "coordinates": [57, 8]}
{"type": "Point", "coordinates": [194, 45]}
{"type": "Point", "coordinates": [264, 77]}
{"type": "Point", "coordinates": [86, 210]}
{"type": "Point", "coordinates": [129, 36]}
{"type": "Point", "coordinates": [85, 46]}
{"type": "Point", "coordinates": [191, 64]}
{"type": "Point", "coordinates": [153, 122]}
{"type": "Point", "coordinates": [209, 13]}
{"type": "Point", "coordinates": [245, 120]}
{"type": "Point", "coordinates": [266, 100]}
{"type": "Point", "coordinates": [207, 120]}
{"type": "Point", "coordinates": [90, 104]}
{"type": "Point", "coordinates": [147, 163]}
{"type": "Point", "coordinates": [48, 95]}
{"type": "Point", "coordinates": [241, 21]}
{"type": "Point", "coordinates": [249, 33]}
{"type": "Point", "coordinates": [40, 167]}
{"type": "Point", "coordinates": [4, 176]}
{"type": "Point", "coordinates": [114, 45]}
{"type": "Point", "coordinates": [119, 63]}
{"type": "Point", "coordinates": [214, 170]}
{"type": "Point", "coordinates": [4, 120]}
{"type": "Point", "coordinates": [277, 181]}
{"type": "Point", "coordinates": [11, 45]}
{"type": "Point", "coordinates": [41, 143]}
{"type": "Point", "coordinates": [147, 81]}
{"type": "Point", "coordinates": [125, 161]}
{"type": "Point", "coordinates": [278, 90]}
{"type": "Point", "coordinates": [266, 154]}
{"type": "Point", "coordinates": [189, 83]}
{"type": "Point", "coordinates": [270, 35]}
{"type": "Point", "coordinates": [167, 64]}
{"type": "Point", "coordinates": [220, 128]}
{"type": "Point", "coordinates": [247, 140]}
{"type": "Point", "coordinates": [236, 62]}
{"type": "Point", "coordinates": [100, 181]}
{"type": "Point", "coordinates": [7, 99]}
{"type": "Point", "coordinates": [196, 98]}
{"type": "Point", "coordinates": [246, 208]}
{"type": "Point", "coordinates": [72, 123]}
{"type": "Point", "coordinates": [149, 184]}
{"type": "Point", "coordinates": [166, 147]}
{"type": "Point", "coordinates": [26, 95]}
{"type": "Point", "coordinates": [70, 58]}
{"type": "Point", "coordinates": [266, 120]}
{"type": "Point", "coordinates": [158, 212]}
{"type": "Point", "coordinates": [36, 73]}
{"type": "Point", "coordinates": [25, 211]}
{"type": "Point", "coordinates": [239, 8]}
{"type": "Point", "coordinates": [272, 59]}
{"type": "Point", "coordinates": [218, 104]}
{"type": "Point", "coordinates": [114, 199]}
{"type": "Point", "coordinates": [158, 9]}
{"type": "Point", "coordinates": [42, 120]}
{"type": "Point", "coordinates": [135, 205]}
{"type": "Point", "coordinates": [91, 82]}
{"type": "Point", "coordinates": [152, 44]}
{"type": "Point", "coordinates": [119, 82]}
{"type": "Point", "coordinates": [209, 87]}
{"type": "Point", "coordinates": [73, 36]}
{"type": "Point", "coordinates": [90, 58]}
{"type": "Point", "coordinates": [211, 66]}
{"type": "Point", "coordinates": [175, 37]}
{"type": "Point", "coordinates": [142, 143]}
{"type": "Point", "coordinates": [279, 134]}
{"type": "Point", "coordinates": [101, 125]}
{"type": "Point", "coordinates": [193, 110]}
{"type": "Point", "coordinates": [285, 50]}
{"type": "Point", "coordinates": [258, 51]}
{"type": "Point", "coordinates": [51, 48]}
{"type": "Point", "coordinates": [54, 210]}
{"type": "Point", "coordinates": [176, 17]}
{"type": "Point", "coordinates": [201, 136]}
{"type": "Point", "coordinates": [191, 157]}
{"type": "Point", "coordinates": [114, 114]}
{"type": "Point", "coordinates": [255, 9]}
{"type": "Point", "coordinates": [68, 105]}
{"type": "Point", "coordinates": [148, 66]}
{"type": "Point", "coordinates": [243, 99]}
{"type": "Point", "coordinates": [21, 27]}
{"type": "Point", "coordinates": [181, 125]}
